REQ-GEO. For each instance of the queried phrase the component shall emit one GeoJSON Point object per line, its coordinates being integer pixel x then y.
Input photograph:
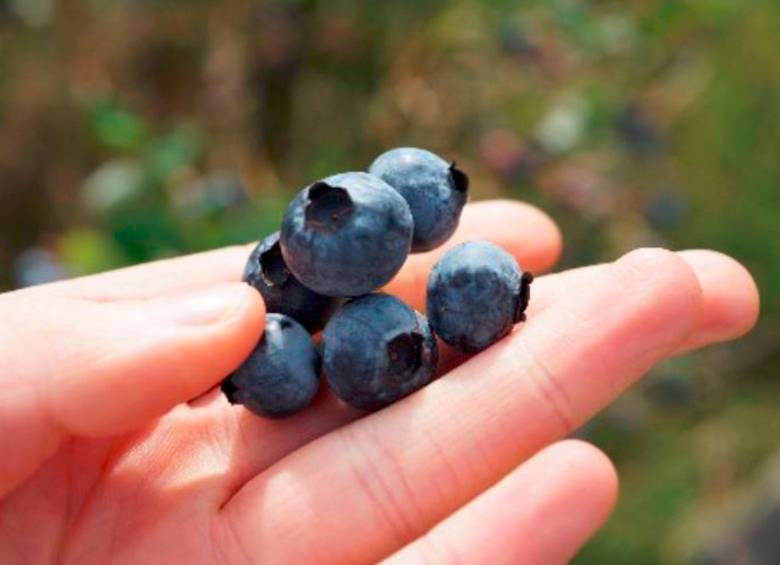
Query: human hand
{"type": "Point", "coordinates": [103, 459]}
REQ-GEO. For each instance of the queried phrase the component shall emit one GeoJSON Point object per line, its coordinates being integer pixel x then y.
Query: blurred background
{"type": "Point", "coordinates": [132, 130]}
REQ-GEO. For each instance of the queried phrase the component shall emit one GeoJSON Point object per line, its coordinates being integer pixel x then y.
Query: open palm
{"type": "Point", "coordinates": [116, 447]}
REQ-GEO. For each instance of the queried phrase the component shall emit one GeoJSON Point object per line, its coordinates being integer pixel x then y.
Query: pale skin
{"type": "Point", "coordinates": [115, 446]}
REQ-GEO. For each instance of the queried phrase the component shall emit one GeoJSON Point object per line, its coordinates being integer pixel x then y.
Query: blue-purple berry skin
{"type": "Point", "coordinates": [346, 235]}
{"type": "Point", "coordinates": [267, 271]}
{"type": "Point", "coordinates": [281, 377]}
{"type": "Point", "coordinates": [435, 190]}
{"type": "Point", "coordinates": [377, 350]}
{"type": "Point", "coordinates": [476, 293]}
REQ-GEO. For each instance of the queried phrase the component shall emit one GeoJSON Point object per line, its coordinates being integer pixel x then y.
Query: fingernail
{"type": "Point", "coordinates": [209, 306]}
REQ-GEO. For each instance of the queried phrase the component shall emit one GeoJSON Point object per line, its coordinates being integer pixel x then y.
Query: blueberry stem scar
{"type": "Point", "coordinates": [524, 297]}
{"type": "Point", "coordinates": [274, 271]}
{"type": "Point", "coordinates": [405, 353]}
{"type": "Point", "coordinates": [460, 180]}
{"type": "Point", "coordinates": [230, 390]}
{"type": "Point", "coordinates": [328, 207]}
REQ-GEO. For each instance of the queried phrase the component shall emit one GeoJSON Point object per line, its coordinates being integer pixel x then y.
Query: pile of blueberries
{"type": "Point", "coordinates": [343, 238]}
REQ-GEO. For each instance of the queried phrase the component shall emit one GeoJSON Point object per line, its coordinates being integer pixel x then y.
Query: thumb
{"type": "Point", "coordinates": [84, 367]}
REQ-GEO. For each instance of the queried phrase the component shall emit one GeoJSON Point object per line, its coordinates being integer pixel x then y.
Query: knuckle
{"type": "Point", "coordinates": [550, 388]}
{"type": "Point", "coordinates": [383, 484]}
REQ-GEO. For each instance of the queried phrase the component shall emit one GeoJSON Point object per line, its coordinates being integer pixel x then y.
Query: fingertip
{"type": "Point", "coordinates": [153, 355]}
{"type": "Point", "coordinates": [596, 471]}
{"type": "Point", "coordinates": [670, 285]}
{"type": "Point", "coordinates": [226, 303]}
{"type": "Point", "coordinates": [579, 483]}
{"type": "Point", "coordinates": [550, 243]}
{"type": "Point", "coordinates": [251, 315]}
{"type": "Point", "coordinates": [235, 338]}
{"type": "Point", "coordinates": [538, 239]}
{"type": "Point", "coordinates": [234, 332]}
{"type": "Point", "coordinates": [731, 297]}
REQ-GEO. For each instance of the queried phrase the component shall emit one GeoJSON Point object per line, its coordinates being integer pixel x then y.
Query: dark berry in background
{"type": "Point", "coordinates": [378, 350]}
{"type": "Point", "coordinates": [435, 190]}
{"type": "Point", "coordinates": [282, 375]}
{"type": "Point", "coordinates": [476, 293]}
{"type": "Point", "coordinates": [283, 293]}
{"type": "Point", "coordinates": [346, 235]}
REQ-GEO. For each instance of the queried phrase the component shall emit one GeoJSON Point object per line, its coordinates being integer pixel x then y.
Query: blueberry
{"type": "Point", "coordinates": [378, 350]}
{"type": "Point", "coordinates": [282, 375]}
{"type": "Point", "coordinates": [435, 190]}
{"type": "Point", "coordinates": [346, 235]}
{"type": "Point", "coordinates": [476, 292]}
{"type": "Point", "coordinates": [283, 293]}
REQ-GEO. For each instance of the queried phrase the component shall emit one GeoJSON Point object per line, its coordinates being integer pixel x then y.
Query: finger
{"type": "Point", "coordinates": [730, 300]}
{"type": "Point", "coordinates": [402, 470]}
{"type": "Point", "coordinates": [730, 297]}
{"type": "Point", "coordinates": [542, 513]}
{"type": "Point", "coordinates": [167, 276]}
{"type": "Point", "coordinates": [526, 231]}
{"type": "Point", "coordinates": [87, 368]}
{"type": "Point", "coordinates": [523, 230]}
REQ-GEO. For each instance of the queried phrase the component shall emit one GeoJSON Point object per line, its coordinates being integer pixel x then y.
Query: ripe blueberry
{"type": "Point", "coordinates": [378, 350]}
{"type": "Point", "coordinates": [282, 375]}
{"type": "Point", "coordinates": [283, 293]}
{"type": "Point", "coordinates": [476, 292]}
{"type": "Point", "coordinates": [346, 235]}
{"type": "Point", "coordinates": [435, 190]}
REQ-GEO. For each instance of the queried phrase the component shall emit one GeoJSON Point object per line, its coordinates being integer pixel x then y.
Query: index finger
{"type": "Point", "coordinates": [523, 230]}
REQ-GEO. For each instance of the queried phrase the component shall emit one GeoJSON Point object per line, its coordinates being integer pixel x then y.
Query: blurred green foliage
{"type": "Point", "coordinates": [137, 129]}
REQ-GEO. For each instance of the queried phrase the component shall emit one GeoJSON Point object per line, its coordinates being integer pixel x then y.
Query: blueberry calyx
{"type": "Point", "coordinates": [523, 297]}
{"type": "Point", "coordinates": [229, 390]}
{"type": "Point", "coordinates": [460, 180]}
{"type": "Point", "coordinates": [328, 207]}
{"type": "Point", "coordinates": [405, 354]}
{"type": "Point", "coordinates": [274, 270]}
